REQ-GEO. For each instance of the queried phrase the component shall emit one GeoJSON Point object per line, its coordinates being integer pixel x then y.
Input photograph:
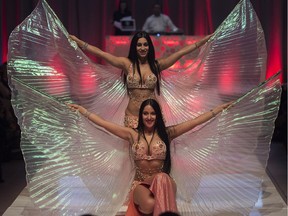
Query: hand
{"type": "Point", "coordinates": [221, 107]}
{"type": "Point", "coordinates": [77, 40]}
{"type": "Point", "coordinates": [207, 37]}
{"type": "Point", "coordinates": [203, 40]}
{"type": "Point", "coordinates": [74, 38]}
{"type": "Point", "coordinates": [212, 34]}
{"type": "Point", "coordinates": [75, 108]}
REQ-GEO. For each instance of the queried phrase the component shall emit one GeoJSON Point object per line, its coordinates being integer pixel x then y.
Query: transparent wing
{"type": "Point", "coordinates": [72, 167]}
{"type": "Point", "coordinates": [41, 55]}
{"type": "Point", "coordinates": [219, 168]}
{"type": "Point", "coordinates": [231, 63]}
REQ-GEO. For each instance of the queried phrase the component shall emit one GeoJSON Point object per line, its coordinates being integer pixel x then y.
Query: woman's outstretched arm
{"type": "Point", "coordinates": [118, 130]}
{"type": "Point", "coordinates": [170, 60]}
{"type": "Point", "coordinates": [177, 130]}
{"type": "Point", "coordinates": [119, 62]}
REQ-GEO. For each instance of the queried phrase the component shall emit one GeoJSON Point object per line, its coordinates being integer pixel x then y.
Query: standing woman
{"type": "Point", "coordinates": [142, 72]}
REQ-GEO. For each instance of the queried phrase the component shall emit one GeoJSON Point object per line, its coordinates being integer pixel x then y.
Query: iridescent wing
{"type": "Point", "coordinates": [72, 166]}
{"type": "Point", "coordinates": [219, 167]}
{"type": "Point", "coordinates": [231, 63]}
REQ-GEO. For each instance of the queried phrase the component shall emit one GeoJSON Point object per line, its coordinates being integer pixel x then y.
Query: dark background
{"type": "Point", "coordinates": [91, 20]}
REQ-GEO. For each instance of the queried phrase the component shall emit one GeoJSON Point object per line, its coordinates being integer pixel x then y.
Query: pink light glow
{"type": "Point", "coordinates": [120, 42]}
{"type": "Point", "coordinates": [188, 63]}
{"type": "Point", "coordinates": [226, 82]}
{"type": "Point", "coordinates": [170, 42]}
{"type": "Point", "coordinates": [88, 83]}
{"type": "Point", "coordinates": [274, 61]}
{"type": "Point", "coordinates": [188, 42]}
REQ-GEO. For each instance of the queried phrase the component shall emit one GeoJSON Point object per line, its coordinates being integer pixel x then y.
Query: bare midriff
{"type": "Point", "coordinates": [147, 168]}
{"type": "Point", "coordinates": [136, 97]}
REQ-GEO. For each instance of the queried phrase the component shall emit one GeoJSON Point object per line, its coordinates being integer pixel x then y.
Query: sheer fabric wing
{"type": "Point", "coordinates": [232, 62]}
{"type": "Point", "coordinates": [47, 60]}
{"type": "Point", "coordinates": [72, 167]}
{"type": "Point", "coordinates": [219, 169]}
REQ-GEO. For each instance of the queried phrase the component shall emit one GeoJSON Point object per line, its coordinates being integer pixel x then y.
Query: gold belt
{"type": "Point", "coordinates": [142, 174]}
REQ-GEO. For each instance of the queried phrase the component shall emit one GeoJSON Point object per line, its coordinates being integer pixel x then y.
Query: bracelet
{"type": "Point", "coordinates": [87, 114]}
{"type": "Point", "coordinates": [84, 47]}
{"type": "Point", "coordinates": [213, 113]}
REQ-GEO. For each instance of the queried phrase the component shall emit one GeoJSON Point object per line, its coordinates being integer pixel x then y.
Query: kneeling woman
{"type": "Point", "coordinates": [154, 191]}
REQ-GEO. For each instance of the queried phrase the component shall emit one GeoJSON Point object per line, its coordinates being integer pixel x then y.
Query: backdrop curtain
{"type": "Point", "coordinates": [92, 21]}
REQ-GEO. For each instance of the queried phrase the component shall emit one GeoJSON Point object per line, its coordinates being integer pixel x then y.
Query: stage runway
{"type": "Point", "coordinates": [270, 203]}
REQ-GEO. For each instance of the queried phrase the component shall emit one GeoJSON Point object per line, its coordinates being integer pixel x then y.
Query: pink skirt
{"type": "Point", "coordinates": [164, 194]}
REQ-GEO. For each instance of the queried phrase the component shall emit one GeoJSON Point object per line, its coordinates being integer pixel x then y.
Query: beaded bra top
{"type": "Point", "coordinates": [133, 80]}
{"type": "Point", "coordinates": [157, 150]}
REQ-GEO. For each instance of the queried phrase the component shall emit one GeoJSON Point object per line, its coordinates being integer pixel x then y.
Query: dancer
{"type": "Point", "coordinates": [142, 72]}
{"type": "Point", "coordinates": [154, 190]}
{"type": "Point", "coordinates": [74, 167]}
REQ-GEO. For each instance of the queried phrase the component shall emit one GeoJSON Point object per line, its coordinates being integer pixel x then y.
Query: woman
{"type": "Point", "coordinates": [150, 148]}
{"type": "Point", "coordinates": [142, 72]}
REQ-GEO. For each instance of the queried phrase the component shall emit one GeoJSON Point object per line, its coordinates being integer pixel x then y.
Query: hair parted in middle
{"type": "Point", "coordinates": [153, 63]}
{"type": "Point", "coordinates": [159, 127]}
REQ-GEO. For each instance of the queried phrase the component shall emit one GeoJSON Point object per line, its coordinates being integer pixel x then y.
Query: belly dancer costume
{"type": "Point", "coordinates": [74, 167]}
{"type": "Point", "coordinates": [161, 185]}
{"type": "Point", "coordinates": [136, 98]}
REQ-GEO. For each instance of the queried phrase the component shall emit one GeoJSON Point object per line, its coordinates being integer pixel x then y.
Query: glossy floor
{"type": "Point", "coordinates": [14, 196]}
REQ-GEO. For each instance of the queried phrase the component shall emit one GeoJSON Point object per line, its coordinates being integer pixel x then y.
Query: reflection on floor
{"type": "Point", "coordinates": [14, 196]}
{"type": "Point", "coordinates": [270, 203]}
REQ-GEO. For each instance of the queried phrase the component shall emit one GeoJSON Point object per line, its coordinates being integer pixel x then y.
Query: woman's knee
{"type": "Point", "coordinates": [144, 199]}
{"type": "Point", "coordinates": [147, 205]}
{"type": "Point", "coordinates": [142, 194]}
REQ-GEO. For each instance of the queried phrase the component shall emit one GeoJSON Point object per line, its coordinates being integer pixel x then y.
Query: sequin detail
{"type": "Point", "coordinates": [130, 121]}
{"type": "Point", "coordinates": [138, 97]}
{"type": "Point", "coordinates": [133, 81]}
{"type": "Point", "coordinates": [157, 150]}
{"type": "Point", "coordinates": [142, 174]}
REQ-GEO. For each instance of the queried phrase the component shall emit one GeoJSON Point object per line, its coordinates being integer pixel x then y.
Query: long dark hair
{"type": "Point", "coordinates": [153, 63]}
{"type": "Point", "coordinates": [160, 127]}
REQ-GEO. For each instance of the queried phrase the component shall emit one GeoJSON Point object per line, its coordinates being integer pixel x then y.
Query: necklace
{"type": "Point", "coordinates": [148, 143]}
{"type": "Point", "coordinates": [149, 134]}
